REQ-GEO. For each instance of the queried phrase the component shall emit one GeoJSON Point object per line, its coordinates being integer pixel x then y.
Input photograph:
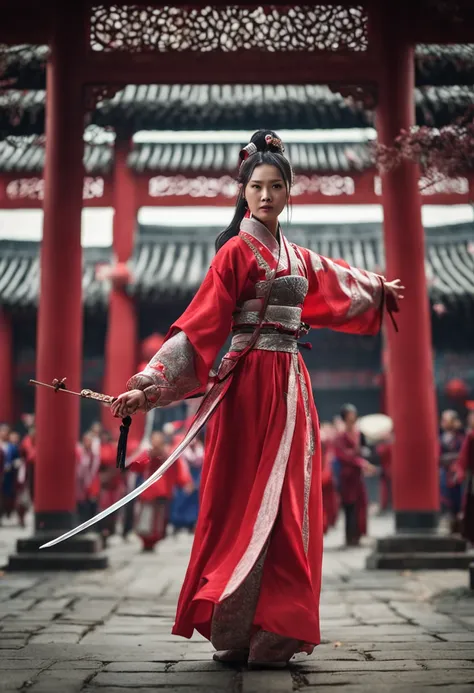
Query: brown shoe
{"type": "Point", "coordinates": [231, 656]}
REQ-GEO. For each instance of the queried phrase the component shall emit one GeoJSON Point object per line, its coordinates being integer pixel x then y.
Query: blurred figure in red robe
{"type": "Point", "coordinates": [28, 453]}
{"type": "Point", "coordinates": [348, 446]}
{"type": "Point", "coordinates": [153, 512]}
{"type": "Point", "coordinates": [330, 495]}
{"type": "Point", "coordinates": [87, 477]}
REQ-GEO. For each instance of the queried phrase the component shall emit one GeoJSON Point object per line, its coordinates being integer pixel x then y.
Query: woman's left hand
{"type": "Point", "coordinates": [394, 288]}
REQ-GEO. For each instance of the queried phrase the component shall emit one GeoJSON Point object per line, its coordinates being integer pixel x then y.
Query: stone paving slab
{"type": "Point", "coordinates": [110, 631]}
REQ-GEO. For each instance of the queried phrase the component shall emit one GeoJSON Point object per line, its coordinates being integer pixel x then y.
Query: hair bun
{"type": "Point", "coordinates": [267, 141]}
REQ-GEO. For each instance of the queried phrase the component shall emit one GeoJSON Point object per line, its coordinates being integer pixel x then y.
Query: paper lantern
{"type": "Point", "coordinates": [456, 389]}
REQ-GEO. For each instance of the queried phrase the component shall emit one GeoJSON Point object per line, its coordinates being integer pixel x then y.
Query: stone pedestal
{"type": "Point", "coordinates": [82, 552]}
{"type": "Point", "coordinates": [420, 552]}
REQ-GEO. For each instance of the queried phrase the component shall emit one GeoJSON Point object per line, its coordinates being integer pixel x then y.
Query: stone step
{"type": "Point", "coordinates": [423, 560]}
{"type": "Point", "coordinates": [426, 543]}
{"type": "Point", "coordinates": [44, 560]}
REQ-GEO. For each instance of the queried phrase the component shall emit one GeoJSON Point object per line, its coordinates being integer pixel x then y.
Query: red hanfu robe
{"type": "Point", "coordinates": [254, 575]}
{"type": "Point", "coordinates": [330, 496]}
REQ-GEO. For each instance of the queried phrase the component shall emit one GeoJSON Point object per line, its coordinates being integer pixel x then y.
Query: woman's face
{"type": "Point", "coordinates": [266, 193]}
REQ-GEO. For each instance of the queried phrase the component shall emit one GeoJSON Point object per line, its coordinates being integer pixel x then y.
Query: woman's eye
{"type": "Point", "coordinates": [277, 185]}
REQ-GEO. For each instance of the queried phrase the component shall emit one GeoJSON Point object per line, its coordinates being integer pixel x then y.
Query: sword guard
{"type": "Point", "coordinates": [59, 384]}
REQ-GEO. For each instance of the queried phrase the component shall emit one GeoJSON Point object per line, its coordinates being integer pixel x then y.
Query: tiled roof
{"type": "Point", "coordinates": [28, 157]}
{"type": "Point", "coordinates": [171, 262]}
{"type": "Point", "coordinates": [435, 65]}
{"type": "Point", "coordinates": [192, 157]}
{"type": "Point", "coordinates": [236, 107]}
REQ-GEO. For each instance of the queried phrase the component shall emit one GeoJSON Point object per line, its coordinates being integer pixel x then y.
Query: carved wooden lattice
{"type": "Point", "coordinates": [137, 28]}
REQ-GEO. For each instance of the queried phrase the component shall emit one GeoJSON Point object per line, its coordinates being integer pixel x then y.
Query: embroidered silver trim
{"type": "Point", "coordinates": [286, 291]}
{"type": "Point", "coordinates": [176, 377]}
{"type": "Point", "coordinates": [268, 510]}
{"type": "Point", "coordinates": [308, 459]}
{"type": "Point", "coordinates": [232, 620]}
{"type": "Point", "coordinates": [291, 256]}
{"type": "Point", "coordinates": [287, 316]}
{"type": "Point", "coordinates": [316, 262]}
{"type": "Point", "coordinates": [260, 232]}
{"type": "Point", "coordinates": [363, 288]}
{"type": "Point", "coordinates": [261, 262]}
{"type": "Point", "coordinates": [265, 342]}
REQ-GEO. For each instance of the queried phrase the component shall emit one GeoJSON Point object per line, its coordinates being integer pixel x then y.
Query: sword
{"type": "Point", "coordinates": [207, 407]}
{"type": "Point", "coordinates": [60, 386]}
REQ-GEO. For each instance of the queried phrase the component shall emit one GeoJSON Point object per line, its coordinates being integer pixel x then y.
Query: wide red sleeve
{"type": "Point", "coordinates": [341, 297]}
{"type": "Point", "coordinates": [207, 320]}
{"type": "Point", "coordinates": [181, 367]}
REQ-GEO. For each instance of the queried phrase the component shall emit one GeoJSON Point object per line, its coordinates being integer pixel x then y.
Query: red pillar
{"type": "Point", "coordinates": [121, 339]}
{"type": "Point", "coordinates": [6, 368]}
{"type": "Point", "coordinates": [410, 383]}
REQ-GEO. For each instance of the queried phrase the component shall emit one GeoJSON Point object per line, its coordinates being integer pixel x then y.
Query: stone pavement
{"type": "Point", "coordinates": [109, 632]}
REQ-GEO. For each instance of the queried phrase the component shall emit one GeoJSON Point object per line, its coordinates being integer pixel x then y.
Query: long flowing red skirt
{"type": "Point", "coordinates": [252, 505]}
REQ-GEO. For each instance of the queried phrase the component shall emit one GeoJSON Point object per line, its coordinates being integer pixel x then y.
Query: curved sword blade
{"type": "Point", "coordinates": [208, 406]}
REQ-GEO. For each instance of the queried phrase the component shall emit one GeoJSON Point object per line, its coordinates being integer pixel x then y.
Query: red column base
{"type": "Point", "coordinates": [416, 521]}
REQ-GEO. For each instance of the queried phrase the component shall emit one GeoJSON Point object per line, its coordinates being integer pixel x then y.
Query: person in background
{"type": "Point", "coordinates": [10, 444]}
{"type": "Point", "coordinates": [330, 495]}
{"type": "Point", "coordinates": [111, 480]}
{"type": "Point", "coordinates": [348, 446]}
{"type": "Point", "coordinates": [153, 511]}
{"type": "Point", "coordinates": [465, 477]}
{"type": "Point", "coordinates": [450, 443]}
{"type": "Point", "coordinates": [185, 505]}
{"type": "Point", "coordinates": [23, 496]}
{"type": "Point", "coordinates": [28, 453]}
{"type": "Point", "coordinates": [87, 478]}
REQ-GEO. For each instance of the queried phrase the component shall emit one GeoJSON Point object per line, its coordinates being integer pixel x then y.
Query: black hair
{"type": "Point", "coordinates": [267, 153]}
{"type": "Point", "coordinates": [347, 409]}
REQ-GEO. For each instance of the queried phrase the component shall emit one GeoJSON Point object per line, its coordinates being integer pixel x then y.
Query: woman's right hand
{"type": "Point", "coordinates": [128, 403]}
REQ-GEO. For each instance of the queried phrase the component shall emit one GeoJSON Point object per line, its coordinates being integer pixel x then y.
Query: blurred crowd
{"type": "Point", "coordinates": [348, 458]}
{"type": "Point", "coordinates": [172, 503]}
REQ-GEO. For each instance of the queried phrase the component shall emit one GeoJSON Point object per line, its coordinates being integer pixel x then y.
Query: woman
{"type": "Point", "coordinates": [259, 531]}
{"type": "Point", "coordinates": [348, 450]}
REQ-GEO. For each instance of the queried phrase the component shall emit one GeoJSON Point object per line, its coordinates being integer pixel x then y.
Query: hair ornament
{"type": "Point", "coordinates": [247, 151]}
{"type": "Point", "coordinates": [275, 142]}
